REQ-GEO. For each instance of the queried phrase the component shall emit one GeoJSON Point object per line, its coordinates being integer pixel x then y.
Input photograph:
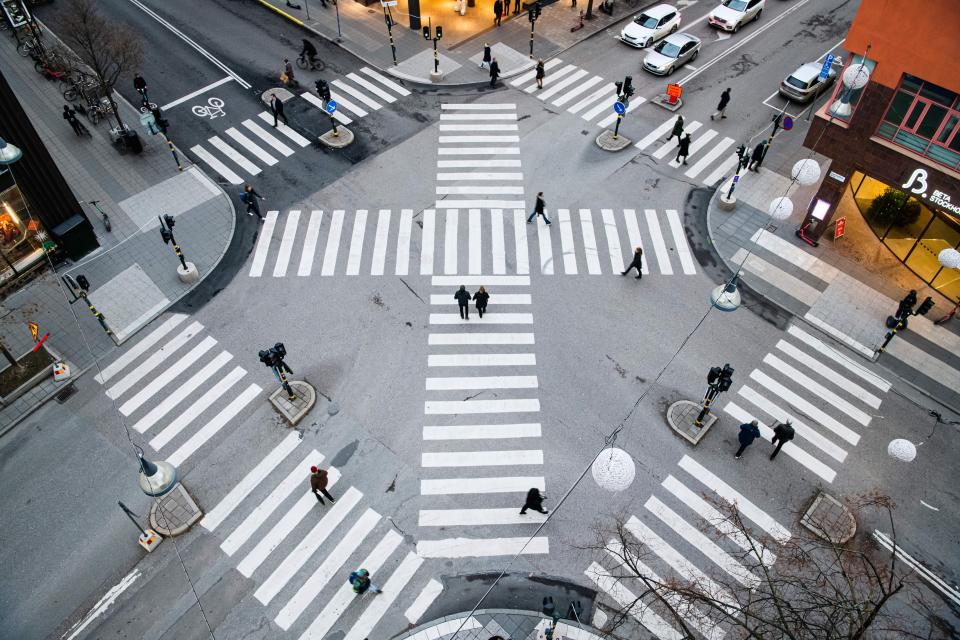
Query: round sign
{"type": "Point", "coordinates": [619, 107]}
{"type": "Point", "coordinates": [787, 123]}
{"type": "Point", "coordinates": [331, 106]}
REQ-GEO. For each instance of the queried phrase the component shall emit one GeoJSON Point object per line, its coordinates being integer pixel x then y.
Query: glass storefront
{"type": "Point", "coordinates": [913, 231]}
{"type": "Point", "coordinates": [22, 236]}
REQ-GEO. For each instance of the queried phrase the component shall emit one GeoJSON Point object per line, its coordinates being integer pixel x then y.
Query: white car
{"type": "Point", "coordinates": [651, 25]}
{"type": "Point", "coordinates": [733, 14]}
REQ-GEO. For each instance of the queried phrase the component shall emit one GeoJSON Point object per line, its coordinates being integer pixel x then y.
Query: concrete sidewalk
{"type": "Point", "coordinates": [843, 297]}
{"type": "Point", "coordinates": [508, 624]}
{"type": "Point", "coordinates": [364, 34]}
{"type": "Point", "coordinates": [133, 275]}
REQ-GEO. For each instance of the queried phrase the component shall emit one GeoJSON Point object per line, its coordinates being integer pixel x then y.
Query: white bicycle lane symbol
{"type": "Point", "coordinates": [213, 109]}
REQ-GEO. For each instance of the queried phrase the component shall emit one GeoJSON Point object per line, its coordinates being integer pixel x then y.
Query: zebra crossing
{"type": "Point", "coordinates": [244, 150]}
{"type": "Point", "coordinates": [827, 397]}
{"type": "Point", "coordinates": [685, 506]}
{"type": "Point", "coordinates": [498, 241]}
{"type": "Point", "coordinates": [466, 441]}
{"type": "Point", "coordinates": [191, 390]}
{"type": "Point", "coordinates": [592, 97]}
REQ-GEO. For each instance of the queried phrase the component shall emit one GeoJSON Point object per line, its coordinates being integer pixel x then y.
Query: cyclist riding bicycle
{"type": "Point", "coordinates": [309, 51]}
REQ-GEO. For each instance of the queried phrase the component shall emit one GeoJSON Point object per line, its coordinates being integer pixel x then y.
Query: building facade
{"type": "Point", "coordinates": [892, 131]}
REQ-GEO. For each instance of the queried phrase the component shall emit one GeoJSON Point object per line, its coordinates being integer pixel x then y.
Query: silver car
{"type": "Point", "coordinates": [674, 51]}
{"type": "Point", "coordinates": [804, 84]}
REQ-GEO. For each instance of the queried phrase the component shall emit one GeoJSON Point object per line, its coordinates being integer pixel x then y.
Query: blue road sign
{"type": "Point", "coordinates": [827, 63]}
{"type": "Point", "coordinates": [619, 107]}
{"type": "Point", "coordinates": [331, 106]}
{"type": "Point", "coordinates": [787, 123]}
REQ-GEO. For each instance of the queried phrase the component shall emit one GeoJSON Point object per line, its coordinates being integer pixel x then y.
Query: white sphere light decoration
{"type": "Point", "coordinates": [902, 450]}
{"type": "Point", "coordinates": [856, 77]}
{"type": "Point", "coordinates": [614, 469]}
{"type": "Point", "coordinates": [806, 172]}
{"type": "Point", "coordinates": [949, 258]}
{"type": "Point", "coordinates": [780, 208]}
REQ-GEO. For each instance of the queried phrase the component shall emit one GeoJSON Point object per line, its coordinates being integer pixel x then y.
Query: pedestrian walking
{"type": "Point", "coordinates": [318, 484]}
{"type": "Point", "coordinates": [722, 105]}
{"type": "Point", "coordinates": [744, 161]}
{"type": "Point", "coordinates": [141, 86]}
{"type": "Point", "coordinates": [539, 209]}
{"type": "Point", "coordinates": [249, 197]}
{"type": "Point", "coordinates": [485, 63]}
{"type": "Point", "coordinates": [494, 72]}
{"type": "Point", "coordinates": [534, 501]}
{"type": "Point", "coordinates": [497, 11]}
{"type": "Point", "coordinates": [756, 158]}
{"type": "Point", "coordinates": [276, 106]}
{"type": "Point", "coordinates": [481, 297]}
{"type": "Point", "coordinates": [540, 73]}
{"type": "Point", "coordinates": [684, 148]}
{"type": "Point", "coordinates": [71, 116]}
{"type": "Point", "coordinates": [782, 434]}
{"type": "Point", "coordinates": [636, 263]}
{"type": "Point", "coordinates": [360, 579]}
{"type": "Point", "coordinates": [677, 129]}
{"type": "Point", "coordinates": [748, 433]}
{"type": "Point", "coordinates": [516, 7]}
{"type": "Point", "coordinates": [288, 72]}
{"type": "Point", "coordinates": [462, 296]}
{"type": "Point", "coordinates": [905, 307]}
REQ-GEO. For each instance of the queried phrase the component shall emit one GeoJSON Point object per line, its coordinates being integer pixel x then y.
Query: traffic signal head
{"type": "Point", "coordinates": [619, 86]}
{"type": "Point", "coordinates": [538, 7]}
{"type": "Point", "coordinates": [166, 235]}
{"type": "Point", "coordinates": [713, 374]}
{"type": "Point", "coordinates": [167, 218]}
{"type": "Point", "coordinates": [266, 357]}
{"type": "Point", "coordinates": [628, 86]}
{"type": "Point", "coordinates": [439, 31]}
{"type": "Point", "coordinates": [280, 350]}
{"type": "Point", "coordinates": [925, 306]}
{"type": "Point", "coordinates": [742, 149]}
{"type": "Point", "coordinates": [426, 33]}
{"type": "Point", "coordinates": [726, 378]}
{"type": "Point", "coordinates": [323, 89]}
{"type": "Point", "coordinates": [83, 283]}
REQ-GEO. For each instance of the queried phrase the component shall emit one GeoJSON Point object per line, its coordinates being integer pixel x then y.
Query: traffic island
{"type": "Point", "coordinates": [830, 519]}
{"type": "Point", "coordinates": [663, 100]}
{"type": "Point", "coordinates": [338, 140]}
{"type": "Point", "coordinates": [174, 512]}
{"type": "Point", "coordinates": [682, 418]}
{"type": "Point", "coordinates": [293, 411]}
{"type": "Point", "coordinates": [726, 201]}
{"type": "Point", "coordinates": [284, 94]}
{"type": "Point", "coordinates": [608, 142]}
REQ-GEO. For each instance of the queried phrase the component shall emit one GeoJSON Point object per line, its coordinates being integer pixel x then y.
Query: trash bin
{"type": "Point", "coordinates": [131, 140]}
{"type": "Point", "coordinates": [75, 236]}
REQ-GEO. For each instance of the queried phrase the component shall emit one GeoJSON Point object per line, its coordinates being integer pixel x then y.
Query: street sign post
{"type": "Point", "coordinates": [787, 123]}
{"type": "Point", "coordinates": [331, 106]}
{"type": "Point", "coordinates": [674, 91]}
{"type": "Point", "coordinates": [619, 107]}
{"type": "Point", "coordinates": [841, 228]}
{"type": "Point", "coordinates": [827, 63]}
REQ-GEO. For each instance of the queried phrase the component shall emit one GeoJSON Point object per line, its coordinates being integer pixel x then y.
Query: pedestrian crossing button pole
{"type": "Point", "coordinates": [187, 271]}
{"type": "Point", "coordinates": [80, 288]}
{"type": "Point", "coordinates": [718, 381]}
{"type": "Point", "coordinates": [902, 316]}
{"type": "Point", "coordinates": [613, 141]}
{"type": "Point", "coordinates": [294, 398]}
{"type": "Point", "coordinates": [332, 138]}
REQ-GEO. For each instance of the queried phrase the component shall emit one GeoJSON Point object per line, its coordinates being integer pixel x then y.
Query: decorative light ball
{"type": "Point", "coordinates": [949, 258]}
{"type": "Point", "coordinates": [856, 77]}
{"type": "Point", "coordinates": [780, 208]}
{"type": "Point", "coordinates": [902, 450]}
{"type": "Point", "coordinates": [614, 469]}
{"type": "Point", "coordinates": [806, 172]}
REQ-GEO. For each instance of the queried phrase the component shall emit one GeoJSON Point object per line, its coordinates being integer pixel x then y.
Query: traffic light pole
{"type": "Point", "coordinates": [166, 232]}
{"type": "Point", "coordinates": [80, 286]}
{"type": "Point", "coordinates": [922, 310]}
{"type": "Point", "coordinates": [429, 33]}
{"type": "Point", "coordinates": [712, 392]}
{"type": "Point", "coordinates": [388, 18]}
{"type": "Point", "coordinates": [532, 14]}
{"type": "Point", "coordinates": [279, 370]}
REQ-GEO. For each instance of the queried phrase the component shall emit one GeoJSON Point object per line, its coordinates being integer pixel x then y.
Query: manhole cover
{"type": "Point", "coordinates": [66, 393]}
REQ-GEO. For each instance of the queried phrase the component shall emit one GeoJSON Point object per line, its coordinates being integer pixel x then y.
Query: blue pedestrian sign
{"type": "Point", "coordinates": [331, 106]}
{"type": "Point", "coordinates": [827, 63]}
{"type": "Point", "coordinates": [787, 123]}
{"type": "Point", "coordinates": [619, 107]}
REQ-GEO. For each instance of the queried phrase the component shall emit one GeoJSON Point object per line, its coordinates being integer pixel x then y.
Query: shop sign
{"type": "Point", "coordinates": [836, 176]}
{"type": "Point", "coordinates": [840, 228]}
{"type": "Point", "coordinates": [917, 183]}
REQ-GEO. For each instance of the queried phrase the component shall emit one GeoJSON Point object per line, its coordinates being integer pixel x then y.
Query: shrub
{"type": "Point", "coordinates": [894, 207]}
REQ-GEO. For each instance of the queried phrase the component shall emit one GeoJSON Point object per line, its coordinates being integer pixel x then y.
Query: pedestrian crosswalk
{"type": "Point", "coordinates": [481, 450]}
{"type": "Point", "coordinates": [689, 506]}
{"type": "Point", "coordinates": [176, 384]}
{"type": "Point", "coordinates": [243, 150]}
{"type": "Point", "coordinates": [592, 97]}
{"type": "Point", "coordinates": [471, 241]}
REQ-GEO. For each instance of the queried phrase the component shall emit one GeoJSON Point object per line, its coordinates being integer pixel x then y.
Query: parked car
{"type": "Point", "coordinates": [672, 52]}
{"type": "Point", "coordinates": [804, 84]}
{"type": "Point", "coordinates": [651, 25]}
{"type": "Point", "coordinates": [733, 14]}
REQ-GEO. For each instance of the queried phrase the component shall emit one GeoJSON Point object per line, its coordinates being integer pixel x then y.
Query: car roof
{"type": "Point", "coordinates": [807, 72]}
{"type": "Point", "coordinates": [681, 39]}
{"type": "Point", "coordinates": [658, 11]}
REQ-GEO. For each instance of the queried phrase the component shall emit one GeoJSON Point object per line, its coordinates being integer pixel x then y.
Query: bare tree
{"type": "Point", "coordinates": [801, 587]}
{"type": "Point", "coordinates": [108, 48]}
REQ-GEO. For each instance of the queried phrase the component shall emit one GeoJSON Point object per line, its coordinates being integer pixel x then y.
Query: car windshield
{"type": "Point", "coordinates": [668, 49]}
{"type": "Point", "coordinates": [646, 21]}
{"type": "Point", "coordinates": [794, 82]}
{"type": "Point", "coordinates": [736, 5]}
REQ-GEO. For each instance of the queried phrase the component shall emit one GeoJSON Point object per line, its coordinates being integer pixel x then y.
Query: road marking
{"type": "Point", "coordinates": [503, 281]}
{"type": "Point", "coordinates": [475, 139]}
{"type": "Point", "coordinates": [499, 299]}
{"type": "Point", "coordinates": [385, 81]}
{"type": "Point", "coordinates": [286, 244]}
{"type": "Point", "coordinates": [589, 242]}
{"type": "Point", "coordinates": [604, 104]}
{"type": "Point", "coordinates": [475, 259]}
{"type": "Point", "coordinates": [548, 79]}
{"type": "Point", "coordinates": [633, 232]}
{"type": "Point", "coordinates": [450, 242]}
{"type": "Point", "coordinates": [284, 129]}
{"type": "Point", "coordinates": [216, 165]}
{"type": "Point", "coordinates": [696, 145]}
{"type": "Point", "coordinates": [451, 339]}
{"type": "Point", "coordinates": [808, 262]}
{"type": "Point", "coordinates": [318, 103]}
{"type": "Point", "coordinates": [813, 387]}
{"type": "Point", "coordinates": [356, 243]}
{"type": "Point", "coordinates": [167, 376]}
{"type": "Point", "coordinates": [423, 601]}
{"type": "Point", "coordinates": [545, 246]}
{"type": "Point", "coordinates": [782, 415]}
{"type": "Point", "coordinates": [591, 98]}
{"type": "Point", "coordinates": [477, 517]}
{"type": "Point", "coordinates": [479, 204]}
{"type": "Point", "coordinates": [242, 489]}
{"type": "Point", "coordinates": [555, 87]}
{"type": "Point", "coordinates": [481, 547]}
{"type": "Point", "coordinates": [134, 353]}
{"type": "Point", "coordinates": [479, 106]}
{"type": "Point", "coordinates": [263, 244]}
{"type": "Point", "coordinates": [426, 250]}
{"type": "Point", "coordinates": [680, 241]}
{"type": "Point", "coordinates": [527, 76]}
{"type": "Point", "coordinates": [476, 164]}
{"type": "Point", "coordinates": [656, 134]}
{"type": "Point", "coordinates": [262, 133]}
{"type": "Point", "coordinates": [775, 93]}
{"type": "Point", "coordinates": [463, 407]}
{"type": "Point", "coordinates": [198, 407]}
{"type": "Point", "coordinates": [726, 167]}
{"type": "Point", "coordinates": [251, 146]}
{"type": "Point", "coordinates": [349, 105]}
{"type": "Point", "coordinates": [482, 431]}
{"type": "Point", "coordinates": [310, 243]}
{"type": "Point", "coordinates": [478, 117]}
{"type": "Point", "coordinates": [403, 242]}
{"type": "Point", "coordinates": [480, 176]}
{"type": "Point", "coordinates": [482, 382]}
{"type": "Point", "coordinates": [482, 360]}
{"type": "Point", "coordinates": [805, 407]}
{"type": "Point", "coordinates": [465, 486]}
{"type": "Point", "coordinates": [136, 375]}
{"type": "Point", "coordinates": [466, 151]}
{"type": "Point", "coordinates": [839, 358]}
{"type": "Point", "coordinates": [359, 95]}
{"type": "Point", "coordinates": [210, 429]}
{"type": "Point", "coordinates": [935, 581]}
{"type": "Point", "coordinates": [668, 147]}
{"type": "Point", "coordinates": [609, 120]}
{"type": "Point", "coordinates": [656, 237]}
{"type": "Point", "coordinates": [567, 247]}
{"type": "Point", "coordinates": [498, 249]}
{"type": "Point", "coordinates": [391, 590]}
{"type": "Point", "coordinates": [477, 128]}
{"type": "Point", "coordinates": [194, 94]}
{"type": "Point", "coordinates": [631, 602]}
{"type": "Point", "coordinates": [489, 318]}
{"type": "Point", "coordinates": [182, 392]}
{"type": "Point", "coordinates": [481, 458]}
{"type": "Point", "coordinates": [815, 365]}
{"type": "Point", "coordinates": [372, 88]}
{"type": "Point", "coordinates": [333, 244]}
{"type": "Point", "coordinates": [380, 243]}
{"type": "Point", "coordinates": [520, 242]}
{"type": "Point", "coordinates": [577, 90]}
{"type": "Point", "coordinates": [707, 159]}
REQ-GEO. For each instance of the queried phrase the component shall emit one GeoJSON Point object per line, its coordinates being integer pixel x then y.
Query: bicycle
{"type": "Point", "coordinates": [314, 64]}
{"type": "Point", "coordinates": [30, 48]}
{"type": "Point", "coordinates": [79, 87]}
{"type": "Point", "coordinates": [106, 218]}
{"type": "Point", "coordinates": [99, 110]}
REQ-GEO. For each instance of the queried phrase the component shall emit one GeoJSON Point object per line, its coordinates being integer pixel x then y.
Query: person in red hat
{"type": "Point", "coordinates": [318, 484]}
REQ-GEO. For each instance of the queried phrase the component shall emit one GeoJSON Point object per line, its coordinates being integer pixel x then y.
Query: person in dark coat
{"type": "Point", "coordinates": [494, 72]}
{"type": "Point", "coordinates": [318, 484]}
{"type": "Point", "coordinates": [539, 209]}
{"type": "Point", "coordinates": [487, 56]}
{"type": "Point", "coordinates": [636, 263]}
{"type": "Point", "coordinates": [540, 73]}
{"type": "Point", "coordinates": [516, 7]}
{"type": "Point", "coordinates": [481, 297]}
{"type": "Point", "coordinates": [782, 434]}
{"type": "Point", "coordinates": [497, 12]}
{"type": "Point", "coordinates": [141, 86]}
{"type": "Point", "coordinates": [276, 106]}
{"type": "Point", "coordinates": [756, 158]}
{"type": "Point", "coordinates": [906, 305]}
{"type": "Point", "coordinates": [677, 129]}
{"type": "Point", "coordinates": [684, 148]}
{"type": "Point", "coordinates": [249, 197]}
{"type": "Point", "coordinates": [748, 433]}
{"type": "Point", "coordinates": [534, 501]}
{"type": "Point", "coordinates": [462, 296]}
{"type": "Point", "coordinates": [71, 116]}
{"type": "Point", "coordinates": [722, 105]}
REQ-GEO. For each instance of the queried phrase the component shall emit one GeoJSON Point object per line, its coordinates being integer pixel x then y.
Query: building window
{"type": "Point", "coordinates": [924, 118]}
{"type": "Point", "coordinates": [22, 237]}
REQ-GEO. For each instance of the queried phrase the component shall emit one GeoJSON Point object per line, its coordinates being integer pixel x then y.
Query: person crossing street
{"type": "Point", "coordinates": [722, 105]}
{"type": "Point", "coordinates": [318, 484]}
{"type": "Point", "coordinates": [636, 263]}
{"type": "Point", "coordinates": [462, 296]}
{"type": "Point", "coordinates": [748, 433]}
{"type": "Point", "coordinates": [539, 209]}
{"type": "Point", "coordinates": [677, 130]}
{"type": "Point", "coordinates": [683, 150]}
{"type": "Point", "coordinates": [276, 106]}
{"type": "Point", "coordinates": [249, 197]}
{"type": "Point", "coordinates": [534, 501]}
{"type": "Point", "coordinates": [360, 579]}
{"type": "Point", "coordinates": [541, 72]}
{"type": "Point", "coordinates": [494, 72]}
{"type": "Point", "coordinates": [782, 434]}
{"type": "Point", "coordinates": [481, 297]}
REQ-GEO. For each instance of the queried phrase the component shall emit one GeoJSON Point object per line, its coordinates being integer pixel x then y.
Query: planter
{"type": "Point", "coordinates": [37, 367]}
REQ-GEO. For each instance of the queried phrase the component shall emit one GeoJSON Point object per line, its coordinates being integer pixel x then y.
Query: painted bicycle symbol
{"type": "Point", "coordinates": [213, 109]}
